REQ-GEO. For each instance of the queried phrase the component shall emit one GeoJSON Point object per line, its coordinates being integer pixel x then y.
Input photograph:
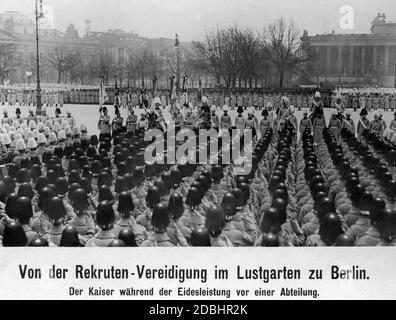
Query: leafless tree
{"type": "Point", "coordinates": [104, 67]}
{"type": "Point", "coordinates": [283, 47]}
{"type": "Point", "coordinates": [211, 51]}
{"type": "Point", "coordinates": [79, 70]}
{"type": "Point", "coordinates": [7, 60]}
{"type": "Point", "coordinates": [62, 59]}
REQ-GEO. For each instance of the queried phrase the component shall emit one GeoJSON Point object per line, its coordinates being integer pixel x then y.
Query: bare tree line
{"type": "Point", "coordinates": [239, 57]}
{"type": "Point", "coordinates": [234, 57]}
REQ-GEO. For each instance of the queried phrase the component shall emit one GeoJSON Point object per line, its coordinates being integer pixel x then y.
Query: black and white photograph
{"type": "Point", "coordinates": [169, 123]}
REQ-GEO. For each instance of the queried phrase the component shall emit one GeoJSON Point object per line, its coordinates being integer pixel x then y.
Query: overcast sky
{"type": "Point", "coordinates": [189, 18]}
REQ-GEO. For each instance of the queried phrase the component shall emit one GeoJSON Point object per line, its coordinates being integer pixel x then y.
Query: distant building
{"type": "Point", "coordinates": [356, 59]}
{"type": "Point", "coordinates": [19, 30]}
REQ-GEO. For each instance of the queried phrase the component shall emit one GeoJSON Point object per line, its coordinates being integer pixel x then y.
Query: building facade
{"type": "Point", "coordinates": [355, 59]}
{"type": "Point", "coordinates": [19, 31]}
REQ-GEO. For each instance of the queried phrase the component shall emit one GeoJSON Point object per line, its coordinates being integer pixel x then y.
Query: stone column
{"type": "Point", "coordinates": [386, 60]}
{"type": "Point", "coordinates": [363, 66]}
{"type": "Point", "coordinates": [375, 60]}
{"type": "Point", "coordinates": [351, 60]}
{"type": "Point", "coordinates": [339, 62]}
{"type": "Point", "coordinates": [328, 60]}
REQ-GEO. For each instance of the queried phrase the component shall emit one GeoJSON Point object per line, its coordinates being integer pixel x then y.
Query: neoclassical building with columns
{"type": "Point", "coordinates": [355, 59]}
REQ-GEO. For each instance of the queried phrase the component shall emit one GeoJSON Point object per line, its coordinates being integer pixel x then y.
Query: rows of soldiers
{"type": "Point", "coordinates": [259, 99]}
{"type": "Point", "coordinates": [369, 98]}
{"type": "Point", "coordinates": [49, 98]}
{"type": "Point", "coordinates": [190, 116]}
{"type": "Point", "coordinates": [71, 189]}
{"type": "Point", "coordinates": [366, 99]}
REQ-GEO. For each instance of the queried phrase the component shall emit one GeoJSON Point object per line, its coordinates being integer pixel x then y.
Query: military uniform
{"type": "Point", "coordinates": [101, 239]}
{"type": "Point", "coordinates": [191, 219]}
{"type": "Point", "coordinates": [178, 233]}
{"type": "Point", "coordinates": [138, 230]}
{"type": "Point", "coordinates": [54, 235]}
{"type": "Point", "coordinates": [158, 240]}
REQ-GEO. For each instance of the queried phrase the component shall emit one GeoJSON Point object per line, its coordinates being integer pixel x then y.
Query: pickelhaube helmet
{"type": "Point", "coordinates": [229, 205]}
{"type": "Point", "coordinates": [59, 170]}
{"type": "Point", "coordinates": [194, 197]}
{"type": "Point", "coordinates": [125, 204]}
{"type": "Point", "coordinates": [13, 170]}
{"type": "Point", "coordinates": [61, 186]}
{"type": "Point", "coordinates": [14, 235]}
{"type": "Point", "coordinates": [160, 184]}
{"type": "Point", "coordinates": [74, 177]}
{"type": "Point", "coordinates": [160, 219]}
{"type": "Point", "coordinates": [269, 240]}
{"type": "Point", "coordinates": [34, 159]}
{"type": "Point", "coordinates": [120, 185]}
{"type": "Point", "coordinates": [204, 182]}
{"type": "Point", "coordinates": [330, 228]}
{"type": "Point", "coordinates": [3, 192]}
{"type": "Point", "coordinates": [238, 195]}
{"type": "Point", "coordinates": [280, 193]}
{"type": "Point", "coordinates": [23, 175]}
{"type": "Point", "coordinates": [350, 182]}
{"type": "Point", "coordinates": [244, 187]}
{"type": "Point", "coordinates": [215, 220]}
{"type": "Point", "coordinates": [105, 193]}
{"type": "Point", "coordinates": [365, 201]}
{"type": "Point", "coordinates": [167, 179]}
{"type": "Point", "coordinates": [319, 187]}
{"type": "Point", "coordinates": [41, 182]}
{"type": "Point", "coordinates": [153, 196]}
{"type": "Point", "coordinates": [106, 162]}
{"type": "Point", "coordinates": [39, 242]}
{"type": "Point", "coordinates": [176, 177]}
{"type": "Point", "coordinates": [105, 215]}
{"type": "Point", "coordinates": [104, 179]}
{"type": "Point", "coordinates": [149, 170]}
{"type": "Point", "coordinates": [90, 153]}
{"type": "Point", "coordinates": [82, 161]}
{"type": "Point", "coordinates": [385, 178]}
{"type": "Point", "coordinates": [56, 210]}
{"type": "Point", "coordinates": [25, 163]}
{"type": "Point", "coordinates": [58, 151]}
{"type": "Point", "coordinates": [315, 180]}
{"type": "Point", "coordinates": [324, 207]}
{"type": "Point", "coordinates": [356, 191]}
{"type": "Point", "coordinates": [127, 236]}
{"type": "Point", "coordinates": [86, 185]}
{"type": "Point", "coordinates": [45, 195]}
{"type": "Point", "coordinates": [377, 206]}
{"type": "Point", "coordinates": [46, 156]}
{"type": "Point", "coordinates": [24, 210]}
{"type": "Point", "coordinates": [217, 172]}
{"type": "Point", "coordinates": [67, 151]}
{"type": "Point", "coordinates": [390, 189]}
{"type": "Point", "coordinates": [343, 240]}
{"type": "Point", "coordinates": [175, 205]}
{"type": "Point", "coordinates": [25, 190]}
{"type": "Point", "coordinates": [131, 163]}
{"type": "Point", "coordinates": [69, 237]}
{"type": "Point", "coordinates": [280, 205]}
{"type": "Point", "coordinates": [129, 180]}
{"type": "Point", "coordinates": [138, 175]}
{"type": "Point", "coordinates": [200, 238]}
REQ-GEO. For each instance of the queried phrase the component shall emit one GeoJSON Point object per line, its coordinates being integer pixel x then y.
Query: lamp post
{"type": "Point", "coordinates": [38, 89]}
{"type": "Point", "coordinates": [395, 77]}
{"type": "Point", "coordinates": [177, 48]}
